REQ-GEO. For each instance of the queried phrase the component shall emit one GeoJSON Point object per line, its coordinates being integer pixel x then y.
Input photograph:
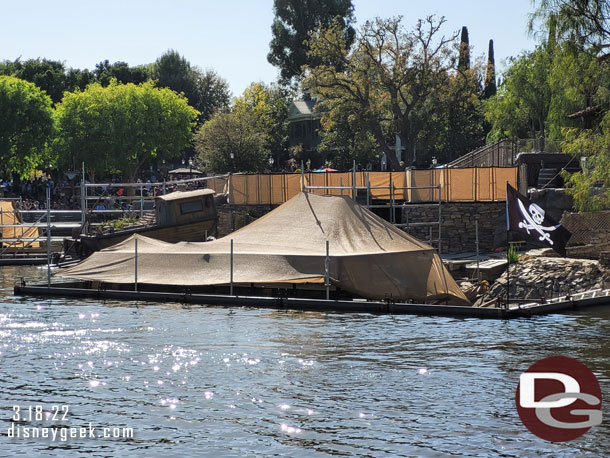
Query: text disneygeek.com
{"type": "Point", "coordinates": [21, 429]}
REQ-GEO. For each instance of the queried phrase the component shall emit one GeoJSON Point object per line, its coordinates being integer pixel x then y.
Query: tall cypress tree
{"type": "Point", "coordinates": [490, 77]}
{"type": "Point", "coordinates": [464, 57]}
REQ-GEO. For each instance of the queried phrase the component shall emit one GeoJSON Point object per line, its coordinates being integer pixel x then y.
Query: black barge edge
{"type": "Point", "coordinates": [320, 305]}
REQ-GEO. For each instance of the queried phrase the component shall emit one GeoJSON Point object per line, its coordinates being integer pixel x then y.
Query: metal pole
{"type": "Point", "coordinates": [141, 201]}
{"type": "Point", "coordinates": [83, 198]}
{"type": "Point", "coordinates": [341, 184]}
{"type": "Point", "coordinates": [354, 180]}
{"type": "Point", "coordinates": [476, 236]}
{"type": "Point", "coordinates": [327, 271]}
{"type": "Point", "coordinates": [302, 176]}
{"type": "Point", "coordinates": [440, 219]}
{"type": "Point", "coordinates": [135, 284]}
{"type": "Point", "coordinates": [368, 190]}
{"type": "Point", "coordinates": [48, 236]}
{"type": "Point", "coordinates": [391, 200]}
{"type": "Point", "coordinates": [231, 283]}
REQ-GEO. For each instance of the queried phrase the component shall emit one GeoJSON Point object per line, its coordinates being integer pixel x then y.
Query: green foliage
{"type": "Point", "coordinates": [205, 91]}
{"type": "Point", "coordinates": [26, 123]}
{"type": "Point", "coordinates": [590, 189]}
{"type": "Point", "coordinates": [464, 56]}
{"type": "Point", "coordinates": [490, 87]}
{"type": "Point", "coordinates": [523, 99]}
{"type": "Point", "coordinates": [269, 105]}
{"type": "Point", "coordinates": [122, 72]}
{"type": "Point", "coordinates": [394, 82]}
{"type": "Point", "coordinates": [236, 133]}
{"type": "Point", "coordinates": [294, 21]}
{"type": "Point", "coordinates": [122, 126]}
{"type": "Point", "coordinates": [511, 255]}
{"type": "Point", "coordinates": [120, 223]}
{"type": "Point", "coordinates": [586, 22]}
{"type": "Point", "coordinates": [49, 75]}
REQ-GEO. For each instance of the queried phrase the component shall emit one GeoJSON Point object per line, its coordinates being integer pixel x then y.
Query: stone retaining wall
{"type": "Point", "coordinates": [457, 230]}
{"type": "Point", "coordinates": [458, 225]}
{"type": "Point", "coordinates": [233, 217]}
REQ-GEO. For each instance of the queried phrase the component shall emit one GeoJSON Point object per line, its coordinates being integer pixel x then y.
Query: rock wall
{"type": "Point", "coordinates": [458, 225]}
{"type": "Point", "coordinates": [535, 278]}
{"type": "Point", "coordinates": [232, 217]}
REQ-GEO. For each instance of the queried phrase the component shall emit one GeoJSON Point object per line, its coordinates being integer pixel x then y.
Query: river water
{"type": "Point", "coordinates": [208, 381]}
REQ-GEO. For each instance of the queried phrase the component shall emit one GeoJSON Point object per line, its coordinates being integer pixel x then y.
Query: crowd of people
{"type": "Point", "coordinates": [65, 194]}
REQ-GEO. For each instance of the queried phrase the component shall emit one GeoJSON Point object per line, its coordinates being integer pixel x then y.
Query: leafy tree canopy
{"type": "Point", "coordinates": [269, 105]}
{"type": "Point", "coordinates": [205, 91]}
{"type": "Point", "coordinates": [294, 21]}
{"type": "Point", "coordinates": [105, 71]}
{"type": "Point", "coordinates": [26, 123]}
{"type": "Point", "coordinates": [232, 142]}
{"type": "Point", "coordinates": [49, 75]}
{"type": "Point", "coordinates": [122, 126]}
{"type": "Point", "coordinates": [392, 78]}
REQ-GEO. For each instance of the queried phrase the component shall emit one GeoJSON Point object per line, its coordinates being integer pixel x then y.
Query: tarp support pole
{"type": "Point", "coordinates": [48, 236]}
{"type": "Point", "coordinates": [341, 184]}
{"type": "Point", "coordinates": [231, 281]}
{"type": "Point", "coordinates": [83, 198]}
{"type": "Point", "coordinates": [141, 201]}
{"type": "Point", "coordinates": [327, 271]}
{"type": "Point", "coordinates": [354, 180]}
{"type": "Point", "coordinates": [135, 283]}
{"type": "Point", "coordinates": [476, 238]}
{"type": "Point", "coordinates": [368, 190]}
{"type": "Point", "coordinates": [439, 219]}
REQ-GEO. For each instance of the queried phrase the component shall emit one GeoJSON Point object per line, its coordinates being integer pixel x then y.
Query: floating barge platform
{"type": "Point", "coordinates": [578, 301]}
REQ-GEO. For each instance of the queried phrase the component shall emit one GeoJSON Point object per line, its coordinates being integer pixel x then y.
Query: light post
{"type": "Point", "coordinates": [271, 161]}
{"type": "Point", "coordinates": [434, 162]}
{"type": "Point", "coordinates": [232, 156]}
{"type": "Point", "coordinates": [191, 167]}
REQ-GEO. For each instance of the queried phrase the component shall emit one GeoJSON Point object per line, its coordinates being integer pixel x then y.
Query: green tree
{"type": "Point", "coordinates": [231, 142]}
{"type": "Point", "coordinates": [269, 105]}
{"type": "Point", "coordinates": [392, 76]}
{"type": "Point", "coordinates": [586, 22]}
{"type": "Point", "coordinates": [122, 127]}
{"type": "Point", "coordinates": [105, 71]}
{"type": "Point", "coordinates": [205, 91]}
{"type": "Point", "coordinates": [464, 55]}
{"type": "Point", "coordinates": [49, 75]}
{"type": "Point", "coordinates": [590, 189]}
{"type": "Point", "coordinates": [490, 87]}
{"type": "Point", "coordinates": [293, 21]}
{"type": "Point", "coordinates": [523, 100]}
{"type": "Point", "coordinates": [26, 124]}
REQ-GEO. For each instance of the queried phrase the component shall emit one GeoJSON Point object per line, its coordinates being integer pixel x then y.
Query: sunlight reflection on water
{"type": "Point", "coordinates": [204, 381]}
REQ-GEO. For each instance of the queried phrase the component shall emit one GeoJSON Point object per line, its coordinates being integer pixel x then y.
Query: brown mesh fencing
{"type": "Point", "coordinates": [412, 186]}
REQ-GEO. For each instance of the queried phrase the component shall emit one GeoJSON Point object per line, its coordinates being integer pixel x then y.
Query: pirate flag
{"type": "Point", "coordinates": [522, 215]}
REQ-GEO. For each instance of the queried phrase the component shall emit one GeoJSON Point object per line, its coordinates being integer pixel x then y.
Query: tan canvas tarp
{"type": "Point", "coordinates": [9, 217]}
{"type": "Point", "coordinates": [368, 256]}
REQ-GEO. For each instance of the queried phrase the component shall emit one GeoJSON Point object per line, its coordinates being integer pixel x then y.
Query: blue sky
{"type": "Point", "coordinates": [229, 36]}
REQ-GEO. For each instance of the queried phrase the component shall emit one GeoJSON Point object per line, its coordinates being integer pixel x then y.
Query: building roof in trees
{"type": "Point", "coordinates": [303, 109]}
{"type": "Point", "coordinates": [589, 111]}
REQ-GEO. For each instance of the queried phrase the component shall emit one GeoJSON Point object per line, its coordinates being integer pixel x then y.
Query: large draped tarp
{"type": "Point", "coordinates": [368, 256]}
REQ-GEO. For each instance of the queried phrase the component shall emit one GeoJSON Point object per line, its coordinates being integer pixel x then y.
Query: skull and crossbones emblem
{"type": "Point", "coordinates": [533, 221]}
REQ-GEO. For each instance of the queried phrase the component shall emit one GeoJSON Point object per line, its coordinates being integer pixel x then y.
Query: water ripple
{"type": "Point", "coordinates": [200, 381]}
